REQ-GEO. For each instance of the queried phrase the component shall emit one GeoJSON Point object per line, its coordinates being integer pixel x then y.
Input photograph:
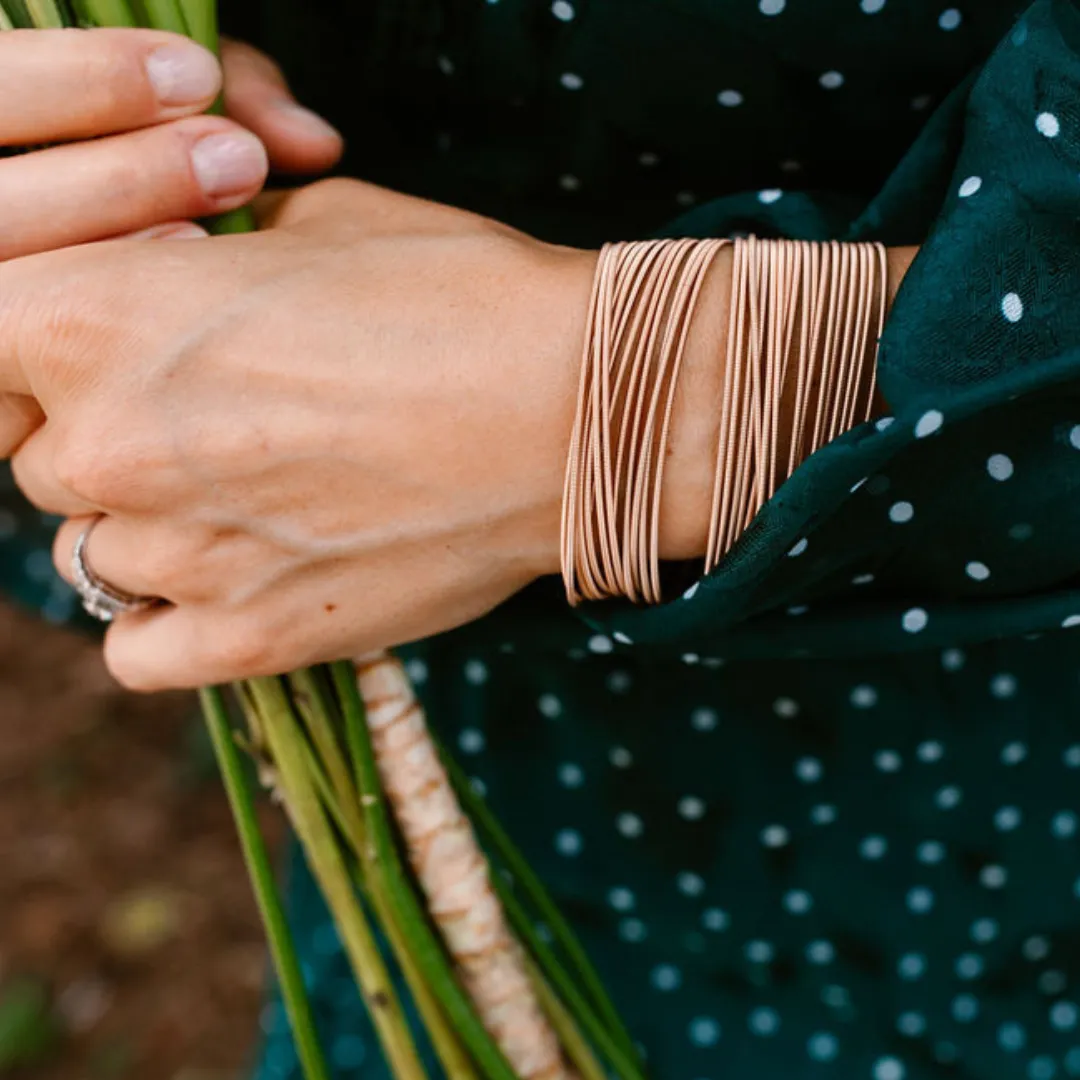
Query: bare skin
{"type": "Point", "coordinates": [136, 152]}
{"type": "Point", "coordinates": [345, 432]}
{"type": "Point", "coordinates": [685, 508]}
{"type": "Point", "coordinates": [147, 161]}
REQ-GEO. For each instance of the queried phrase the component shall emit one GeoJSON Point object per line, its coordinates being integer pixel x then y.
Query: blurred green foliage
{"type": "Point", "coordinates": [28, 1030]}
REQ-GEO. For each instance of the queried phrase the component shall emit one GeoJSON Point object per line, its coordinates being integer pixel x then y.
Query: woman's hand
{"type": "Point", "coordinates": [339, 434]}
{"type": "Point", "coordinates": [258, 98]}
{"type": "Point", "coordinates": [138, 155]}
{"type": "Point", "coordinates": [149, 162]}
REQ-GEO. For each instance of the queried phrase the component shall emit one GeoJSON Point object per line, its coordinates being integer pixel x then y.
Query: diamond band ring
{"type": "Point", "coordinates": [99, 598]}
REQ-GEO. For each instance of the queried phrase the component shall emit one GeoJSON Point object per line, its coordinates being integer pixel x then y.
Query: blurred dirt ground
{"type": "Point", "coordinates": [129, 945]}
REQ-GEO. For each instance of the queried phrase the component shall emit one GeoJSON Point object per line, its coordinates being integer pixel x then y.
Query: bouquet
{"type": "Point", "coordinates": [425, 888]}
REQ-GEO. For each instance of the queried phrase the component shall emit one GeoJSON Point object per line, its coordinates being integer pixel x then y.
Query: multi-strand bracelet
{"type": "Point", "coordinates": [805, 319]}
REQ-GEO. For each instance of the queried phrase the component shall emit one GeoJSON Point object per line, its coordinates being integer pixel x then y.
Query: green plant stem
{"type": "Point", "coordinates": [453, 1059]}
{"type": "Point", "coordinates": [579, 1007]}
{"type": "Point", "coordinates": [105, 12]}
{"type": "Point", "coordinates": [533, 888]}
{"type": "Point", "coordinates": [46, 14]}
{"type": "Point", "coordinates": [562, 1020]}
{"type": "Point", "coordinates": [427, 948]}
{"type": "Point", "coordinates": [286, 964]}
{"type": "Point", "coordinates": [455, 1062]}
{"type": "Point", "coordinates": [20, 18]}
{"type": "Point", "coordinates": [5, 21]}
{"type": "Point", "coordinates": [201, 19]}
{"type": "Point", "coordinates": [342, 803]}
{"type": "Point", "coordinates": [232, 222]}
{"type": "Point", "coordinates": [330, 801]}
{"type": "Point", "coordinates": [163, 15]}
{"type": "Point", "coordinates": [316, 712]}
{"type": "Point", "coordinates": [319, 712]}
{"type": "Point", "coordinates": [288, 750]}
{"type": "Point", "coordinates": [327, 764]}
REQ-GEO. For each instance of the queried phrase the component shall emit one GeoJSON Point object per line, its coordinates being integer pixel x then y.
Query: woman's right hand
{"type": "Point", "coordinates": [136, 156]}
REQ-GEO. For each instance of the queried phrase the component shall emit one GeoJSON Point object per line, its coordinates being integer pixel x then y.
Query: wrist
{"type": "Point", "coordinates": [564, 279]}
{"type": "Point", "coordinates": [691, 460]}
{"type": "Point", "coordinates": [690, 465]}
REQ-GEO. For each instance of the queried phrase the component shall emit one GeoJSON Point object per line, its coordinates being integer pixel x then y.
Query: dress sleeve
{"type": "Point", "coordinates": [958, 517]}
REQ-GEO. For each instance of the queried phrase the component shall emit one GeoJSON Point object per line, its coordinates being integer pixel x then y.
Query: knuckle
{"type": "Point", "coordinates": [310, 200]}
{"type": "Point", "coordinates": [69, 465]}
{"type": "Point", "coordinates": [176, 565]}
{"type": "Point", "coordinates": [331, 187]}
{"type": "Point", "coordinates": [245, 650]}
{"type": "Point", "coordinates": [113, 70]}
{"type": "Point", "coordinates": [128, 182]}
{"type": "Point", "coordinates": [90, 470]}
{"type": "Point", "coordinates": [218, 448]}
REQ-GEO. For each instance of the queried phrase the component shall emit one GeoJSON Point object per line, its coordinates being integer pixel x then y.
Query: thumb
{"type": "Point", "coordinates": [257, 96]}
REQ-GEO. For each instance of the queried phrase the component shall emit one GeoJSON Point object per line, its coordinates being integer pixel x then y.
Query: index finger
{"type": "Point", "coordinates": [58, 85]}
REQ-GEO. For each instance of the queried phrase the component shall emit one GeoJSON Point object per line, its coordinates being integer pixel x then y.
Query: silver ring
{"type": "Point", "coordinates": [99, 598]}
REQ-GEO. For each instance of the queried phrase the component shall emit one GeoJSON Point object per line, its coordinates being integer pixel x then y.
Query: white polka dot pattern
{"type": "Point", "coordinates": [1048, 124]}
{"type": "Point", "coordinates": [859, 860]}
{"type": "Point", "coordinates": [1012, 307]}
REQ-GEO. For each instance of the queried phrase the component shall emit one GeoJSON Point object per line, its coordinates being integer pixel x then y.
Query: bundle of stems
{"type": "Point", "coordinates": [429, 896]}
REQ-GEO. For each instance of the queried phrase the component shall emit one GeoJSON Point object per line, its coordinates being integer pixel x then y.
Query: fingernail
{"type": "Point", "coordinates": [183, 74]}
{"type": "Point", "coordinates": [229, 163]}
{"type": "Point", "coordinates": [186, 231]}
{"type": "Point", "coordinates": [312, 122]}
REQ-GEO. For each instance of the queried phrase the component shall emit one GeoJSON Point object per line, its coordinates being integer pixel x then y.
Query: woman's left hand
{"type": "Point", "coordinates": [339, 434]}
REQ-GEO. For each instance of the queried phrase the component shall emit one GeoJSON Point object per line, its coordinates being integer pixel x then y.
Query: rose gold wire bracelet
{"type": "Point", "coordinates": [800, 369]}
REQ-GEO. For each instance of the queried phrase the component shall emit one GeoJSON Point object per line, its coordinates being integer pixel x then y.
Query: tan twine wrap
{"type": "Point", "coordinates": [800, 370]}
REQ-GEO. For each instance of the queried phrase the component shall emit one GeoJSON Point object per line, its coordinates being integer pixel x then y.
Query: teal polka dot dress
{"type": "Point", "coordinates": [818, 815]}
